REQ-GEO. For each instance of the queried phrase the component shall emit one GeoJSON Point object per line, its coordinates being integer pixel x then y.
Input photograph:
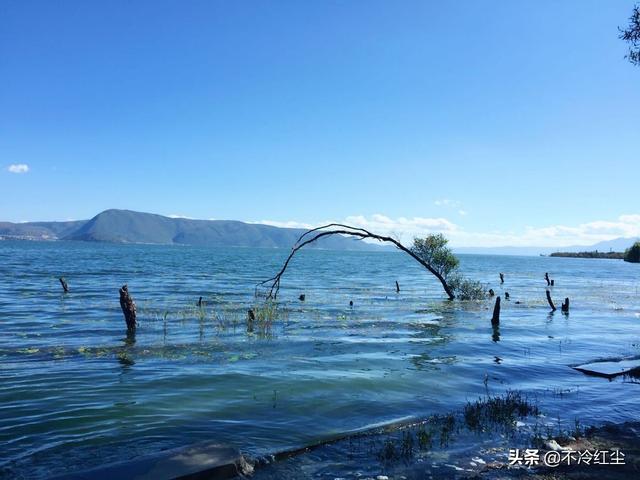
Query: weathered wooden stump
{"type": "Point", "coordinates": [506, 295]}
{"type": "Point", "coordinates": [397, 287]}
{"type": "Point", "coordinates": [302, 297]}
{"type": "Point", "coordinates": [565, 305]}
{"type": "Point", "coordinates": [546, 277]}
{"type": "Point", "coordinates": [251, 318]}
{"type": "Point", "coordinates": [128, 308]}
{"type": "Point", "coordinates": [501, 277]}
{"type": "Point", "coordinates": [351, 303]}
{"type": "Point", "coordinates": [200, 302]}
{"type": "Point", "coordinates": [491, 292]}
{"type": "Point", "coordinates": [553, 282]}
{"type": "Point", "coordinates": [63, 282]}
{"type": "Point", "coordinates": [495, 319]}
{"type": "Point", "coordinates": [553, 307]}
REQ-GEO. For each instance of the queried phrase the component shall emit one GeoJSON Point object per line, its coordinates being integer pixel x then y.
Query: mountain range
{"type": "Point", "coordinates": [126, 226]}
{"type": "Point", "coordinates": [616, 245]}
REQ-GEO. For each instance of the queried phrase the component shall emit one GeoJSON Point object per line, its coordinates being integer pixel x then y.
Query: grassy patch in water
{"type": "Point", "coordinates": [498, 412]}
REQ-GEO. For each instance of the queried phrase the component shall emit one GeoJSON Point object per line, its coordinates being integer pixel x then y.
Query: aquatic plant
{"type": "Point", "coordinates": [262, 317]}
{"type": "Point", "coordinates": [500, 411]}
{"type": "Point", "coordinates": [433, 250]}
{"type": "Point", "coordinates": [389, 452]}
{"type": "Point", "coordinates": [424, 437]}
{"type": "Point", "coordinates": [466, 289]}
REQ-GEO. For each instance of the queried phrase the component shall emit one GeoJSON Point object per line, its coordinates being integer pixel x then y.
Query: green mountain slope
{"type": "Point", "coordinates": [125, 226]}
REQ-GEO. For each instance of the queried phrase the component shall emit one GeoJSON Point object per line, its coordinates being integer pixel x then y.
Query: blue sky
{"type": "Point", "coordinates": [497, 122]}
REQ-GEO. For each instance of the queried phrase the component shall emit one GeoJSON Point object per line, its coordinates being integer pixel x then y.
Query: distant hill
{"type": "Point", "coordinates": [125, 226]}
{"type": "Point", "coordinates": [615, 245]}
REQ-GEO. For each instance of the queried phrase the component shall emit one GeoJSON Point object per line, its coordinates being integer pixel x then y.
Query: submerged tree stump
{"type": "Point", "coordinates": [495, 319]}
{"type": "Point", "coordinates": [251, 318]}
{"type": "Point", "coordinates": [65, 287]}
{"type": "Point", "coordinates": [128, 308]}
{"type": "Point", "coordinates": [553, 307]}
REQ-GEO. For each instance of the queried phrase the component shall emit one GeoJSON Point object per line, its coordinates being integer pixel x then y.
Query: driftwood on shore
{"type": "Point", "coordinates": [128, 308]}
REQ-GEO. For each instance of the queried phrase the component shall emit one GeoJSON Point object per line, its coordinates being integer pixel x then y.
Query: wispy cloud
{"type": "Point", "coordinates": [289, 224]}
{"type": "Point", "coordinates": [447, 202]}
{"type": "Point", "coordinates": [18, 168]}
{"type": "Point", "coordinates": [451, 204]}
{"type": "Point", "coordinates": [176, 215]}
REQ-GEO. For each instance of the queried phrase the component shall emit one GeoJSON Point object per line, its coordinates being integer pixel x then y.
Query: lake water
{"type": "Point", "coordinates": [75, 392]}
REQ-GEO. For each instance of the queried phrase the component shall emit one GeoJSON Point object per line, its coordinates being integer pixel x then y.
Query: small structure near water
{"type": "Point", "coordinates": [611, 368]}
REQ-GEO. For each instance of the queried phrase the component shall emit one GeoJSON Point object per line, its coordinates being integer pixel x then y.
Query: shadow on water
{"type": "Point", "coordinates": [495, 335]}
{"type": "Point", "coordinates": [124, 355]}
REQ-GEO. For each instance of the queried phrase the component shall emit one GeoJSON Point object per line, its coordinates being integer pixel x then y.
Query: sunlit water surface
{"type": "Point", "coordinates": [75, 392]}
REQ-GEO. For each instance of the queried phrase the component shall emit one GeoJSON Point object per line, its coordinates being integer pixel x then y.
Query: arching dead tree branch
{"type": "Point", "coordinates": [273, 284]}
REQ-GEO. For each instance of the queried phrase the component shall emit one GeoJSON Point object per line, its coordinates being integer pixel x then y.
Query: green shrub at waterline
{"type": "Point", "coordinates": [433, 250]}
{"type": "Point", "coordinates": [633, 254]}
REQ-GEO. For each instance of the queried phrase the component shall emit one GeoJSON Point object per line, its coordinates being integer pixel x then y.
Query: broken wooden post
{"type": "Point", "coordinates": [302, 297]}
{"type": "Point", "coordinates": [200, 302]}
{"type": "Point", "coordinates": [553, 282]}
{"type": "Point", "coordinates": [495, 320]}
{"type": "Point", "coordinates": [251, 317]}
{"type": "Point", "coordinates": [65, 287]}
{"type": "Point", "coordinates": [502, 278]}
{"type": "Point", "coordinates": [546, 277]}
{"type": "Point", "coordinates": [491, 292]}
{"type": "Point", "coordinates": [397, 287]}
{"type": "Point", "coordinates": [506, 295]}
{"type": "Point", "coordinates": [565, 305]}
{"type": "Point", "coordinates": [351, 303]}
{"type": "Point", "coordinates": [553, 307]}
{"type": "Point", "coordinates": [128, 308]}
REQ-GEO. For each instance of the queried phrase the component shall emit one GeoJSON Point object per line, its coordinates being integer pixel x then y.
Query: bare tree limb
{"type": "Point", "coordinates": [340, 229]}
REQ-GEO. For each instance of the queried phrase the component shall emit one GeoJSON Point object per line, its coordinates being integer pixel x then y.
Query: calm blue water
{"type": "Point", "coordinates": [75, 392]}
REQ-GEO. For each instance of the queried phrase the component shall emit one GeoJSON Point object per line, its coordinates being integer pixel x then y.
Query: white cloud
{"type": "Point", "coordinates": [288, 224]}
{"type": "Point", "coordinates": [18, 168]}
{"type": "Point", "coordinates": [447, 202]}
{"type": "Point", "coordinates": [176, 215]}
{"type": "Point", "coordinates": [402, 228]}
{"type": "Point", "coordinates": [547, 236]}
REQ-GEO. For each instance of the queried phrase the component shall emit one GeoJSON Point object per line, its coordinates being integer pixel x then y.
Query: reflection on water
{"type": "Point", "coordinates": [76, 387]}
